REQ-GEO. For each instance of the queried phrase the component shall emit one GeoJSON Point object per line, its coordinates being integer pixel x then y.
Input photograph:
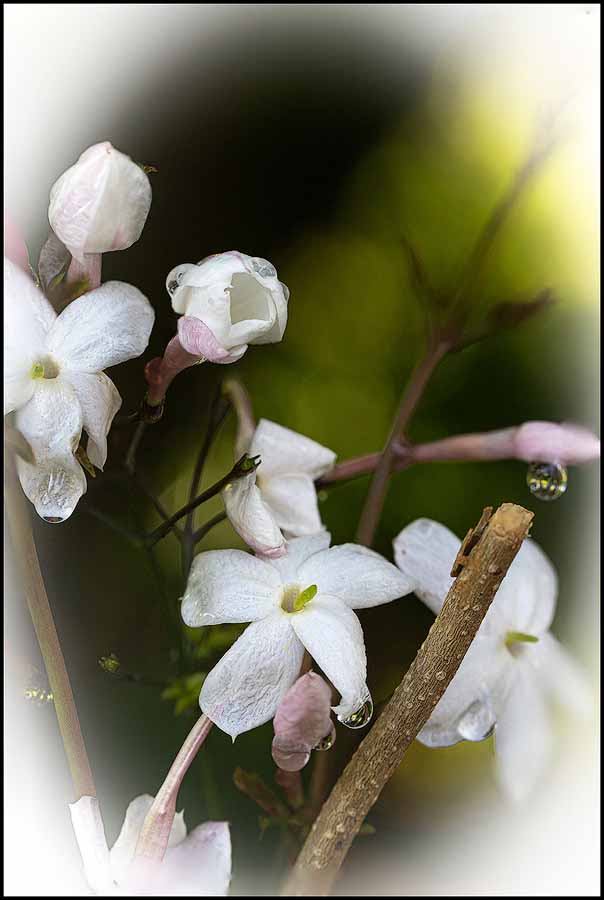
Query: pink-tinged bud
{"type": "Point", "coordinates": [301, 722]}
{"type": "Point", "coordinates": [15, 247]}
{"type": "Point", "coordinates": [161, 371]}
{"type": "Point", "coordinates": [101, 203]}
{"type": "Point", "coordinates": [549, 442]}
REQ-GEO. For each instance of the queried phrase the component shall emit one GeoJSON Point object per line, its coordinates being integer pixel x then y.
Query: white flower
{"type": "Point", "coordinates": [197, 864]}
{"type": "Point", "coordinates": [513, 665]}
{"type": "Point", "coordinates": [227, 301]}
{"type": "Point", "coordinates": [53, 378]}
{"type": "Point", "coordinates": [278, 500]}
{"type": "Point", "coordinates": [302, 600]}
{"type": "Point", "coordinates": [101, 203]}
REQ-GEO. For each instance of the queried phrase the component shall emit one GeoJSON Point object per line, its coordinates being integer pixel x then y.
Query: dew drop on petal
{"type": "Point", "coordinates": [327, 742]}
{"type": "Point", "coordinates": [477, 722]}
{"type": "Point", "coordinates": [360, 717]}
{"type": "Point", "coordinates": [547, 481]}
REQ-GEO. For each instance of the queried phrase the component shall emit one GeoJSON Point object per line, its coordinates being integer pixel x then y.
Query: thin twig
{"type": "Point", "coordinates": [130, 459]}
{"type": "Point", "coordinates": [41, 614]}
{"type": "Point", "coordinates": [207, 526]}
{"type": "Point", "coordinates": [483, 564]}
{"type": "Point", "coordinates": [242, 467]}
{"type": "Point", "coordinates": [374, 503]}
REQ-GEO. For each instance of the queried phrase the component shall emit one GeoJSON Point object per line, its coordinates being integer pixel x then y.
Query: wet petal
{"type": "Point", "coordinates": [100, 400]}
{"type": "Point", "coordinates": [229, 586]}
{"type": "Point", "coordinates": [333, 636]}
{"type": "Point", "coordinates": [285, 452]}
{"type": "Point", "coordinates": [102, 328]}
{"type": "Point", "coordinates": [298, 550]}
{"type": "Point", "coordinates": [245, 688]}
{"type": "Point", "coordinates": [425, 552]}
{"type": "Point", "coordinates": [526, 599]}
{"type": "Point", "coordinates": [356, 575]}
{"type": "Point", "coordinates": [292, 499]}
{"type": "Point", "coordinates": [251, 517]}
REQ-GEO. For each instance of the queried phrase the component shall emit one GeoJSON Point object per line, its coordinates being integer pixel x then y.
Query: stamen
{"type": "Point", "coordinates": [513, 637]}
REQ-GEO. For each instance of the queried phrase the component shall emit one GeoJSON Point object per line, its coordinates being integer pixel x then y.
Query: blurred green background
{"type": "Point", "coordinates": [320, 154]}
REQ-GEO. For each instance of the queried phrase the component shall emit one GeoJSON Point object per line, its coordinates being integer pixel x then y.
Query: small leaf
{"type": "Point", "coordinates": [305, 597]}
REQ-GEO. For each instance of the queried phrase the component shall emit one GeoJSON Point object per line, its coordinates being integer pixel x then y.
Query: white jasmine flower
{"type": "Point", "coordinates": [53, 378]}
{"type": "Point", "coordinates": [304, 600]}
{"type": "Point", "coordinates": [101, 203]}
{"type": "Point", "coordinates": [278, 500]}
{"type": "Point", "coordinates": [514, 665]}
{"type": "Point", "coordinates": [227, 301]}
{"type": "Point", "coordinates": [197, 864]}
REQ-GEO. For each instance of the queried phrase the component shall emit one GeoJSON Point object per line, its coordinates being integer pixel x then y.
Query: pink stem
{"type": "Point", "coordinates": [155, 832]}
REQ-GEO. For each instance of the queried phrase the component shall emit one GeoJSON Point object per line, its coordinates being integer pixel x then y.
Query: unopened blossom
{"type": "Point", "coordinates": [54, 381]}
{"type": "Point", "coordinates": [278, 500]}
{"type": "Point", "coordinates": [227, 301]}
{"type": "Point", "coordinates": [195, 864]}
{"type": "Point", "coordinates": [514, 666]}
{"type": "Point", "coordinates": [302, 721]}
{"type": "Point", "coordinates": [15, 247]}
{"type": "Point", "coordinates": [101, 203]}
{"type": "Point", "coordinates": [303, 600]}
{"type": "Point", "coordinates": [553, 443]}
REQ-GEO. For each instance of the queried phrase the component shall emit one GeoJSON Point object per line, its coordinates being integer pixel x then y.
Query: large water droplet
{"type": "Point", "coordinates": [477, 722]}
{"type": "Point", "coordinates": [360, 717]}
{"type": "Point", "coordinates": [547, 481]}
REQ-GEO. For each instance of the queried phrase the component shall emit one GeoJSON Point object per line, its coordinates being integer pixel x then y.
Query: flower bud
{"type": "Point", "coordinates": [235, 299]}
{"type": "Point", "coordinates": [549, 442]}
{"type": "Point", "coordinates": [15, 247]}
{"type": "Point", "coordinates": [301, 722]}
{"type": "Point", "coordinates": [101, 203]}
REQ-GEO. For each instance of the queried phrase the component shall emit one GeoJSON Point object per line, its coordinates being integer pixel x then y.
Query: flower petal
{"type": "Point", "coordinates": [102, 328]}
{"type": "Point", "coordinates": [251, 517]}
{"type": "Point", "coordinates": [100, 400]}
{"type": "Point", "coordinates": [333, 636]}
{"type": "Point", "coordinates": [197, 339]}
{"type": "Point", "coordinates": [425, 552]}
{"type": "Point", "coordinates": [356, 575]}
{"type": "Point", "coordinates": [285, 452]}
{"type": "Point", "coordinates": [561, 676]}
{"type": "Point", "coordinates": [122, 852]}
{"type": "Point", "coordinates": [245, 688]}
{"type": "Point", "coordinates": [90, 835]}
{"type": "Point", "coordinates": [292, 499]}
{"type": "Point", "coordinates": [526, 599]}
{"type": "Point", "coordinates": [198, 867]}
{"type": "Point", "coordinates": [229, 586]}
{"type": "Point", "coordinates": [298, 550]}
{"type": "Point", "coordinates": [52, 423]}
{"type": "Point", "coordinates": [523, 736]}
{"type": "Point", "coordinates": [468, 708]}
{"type": "Point", "coordinates": [28, 317]}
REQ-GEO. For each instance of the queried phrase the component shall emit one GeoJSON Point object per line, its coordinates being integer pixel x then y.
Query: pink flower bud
{"type": "Point", "coordinates": [302, 720]}
{"type": "Point", "coordinates": [549, 442]}
{"type": "Point", "coordinates": [101, 203]}
{"type": "Point", "coordinates": [161, 371]}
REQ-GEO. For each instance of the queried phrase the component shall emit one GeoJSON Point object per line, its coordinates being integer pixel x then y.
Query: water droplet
{"type": "Point", "coordinates": [263, 268]}
{"type": "Point", "coordinates": [53, 519]}
{"type": "Point", "coordinates": [360, 717]}
{"type": "Point", "coordinates": [477, 722]}
{"type": "Point", "coordinates": [327, 742]}
{"type": "Point", "coordinates": [547, 481]}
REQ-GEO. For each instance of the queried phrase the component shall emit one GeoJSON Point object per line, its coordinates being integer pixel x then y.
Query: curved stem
{"type": "Point", "coordinates": [207, 526]}
{"type": "Point", "coordinates": [48, 639]}
{"type": "Point", "coordinates": [411, 397]}
{"type": "Point", "coordinates": [155, 833]}
{"type": "Point", "coordinates": [484, 558]}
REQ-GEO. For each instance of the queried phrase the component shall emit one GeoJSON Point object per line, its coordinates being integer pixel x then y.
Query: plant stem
{"type": "Point", "coordinates": [130, 460]}
{"type": "Point", "coordinates": [374, 503]}
{"type": "Point", "coordinates": [41, 614]}
{"type": "Point", "coordinates": [153, 839]}
{"type": "Point", "coordinates": [162, 530]}
{"type": "Point", "coordinates": [484, 559]}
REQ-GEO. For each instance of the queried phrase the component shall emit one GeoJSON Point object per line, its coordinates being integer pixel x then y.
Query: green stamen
{"type": "Point", "coordinates": [305, 597]}
{"type": "Point", "coordinates": [37, 370]}
{"type": "Point", "coordinates": [513, 637]}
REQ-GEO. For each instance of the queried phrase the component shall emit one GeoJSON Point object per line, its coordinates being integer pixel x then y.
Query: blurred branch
{"type": "Point", "coordinates": [483, 561]}
{"type": "Point", "coordinates": [41, 614]}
